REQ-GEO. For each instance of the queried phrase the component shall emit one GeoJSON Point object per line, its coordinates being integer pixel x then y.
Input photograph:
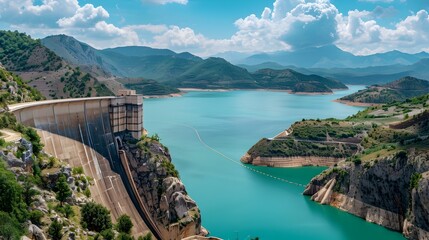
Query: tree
{"type": "Point", "coordinates": [148, 236]}
{"type": "Point", "coordinates": [95, 217]}
{"type": "Point", "coordinates": [11, 200]}
{"type": "Point", "coordinates": [124, 224]}
{"type": "Point", "coordinates": [28, 191]}
{"type": "Point", "coordinates": [124, 236]}
{"type": "Point", "coordinates": [63, 190]}
{"type": "Point", "coordinates": [55, 230]}
{"type": "Point", "coordinates": [10, 227]}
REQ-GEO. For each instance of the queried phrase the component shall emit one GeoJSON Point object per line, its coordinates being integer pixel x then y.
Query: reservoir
{"type": "Point", "coordinates": [208, 132]}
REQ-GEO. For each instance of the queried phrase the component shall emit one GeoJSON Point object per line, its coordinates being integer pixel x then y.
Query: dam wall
{"type": "Point", "coordinates": [82, 132]}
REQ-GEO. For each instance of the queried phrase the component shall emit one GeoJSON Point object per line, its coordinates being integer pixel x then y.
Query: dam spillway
{"type": "Point", "coordinates": [82, 132]}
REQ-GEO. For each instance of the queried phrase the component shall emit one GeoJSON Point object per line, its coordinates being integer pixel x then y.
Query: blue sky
{"type": "Point", "coordinates": [207, 27]}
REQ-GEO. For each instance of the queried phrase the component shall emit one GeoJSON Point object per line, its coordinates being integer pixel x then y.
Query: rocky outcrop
{"type": "Point", "coordinates": [161, 190]}
{"type": "Point", "coordinates": [392, 192]}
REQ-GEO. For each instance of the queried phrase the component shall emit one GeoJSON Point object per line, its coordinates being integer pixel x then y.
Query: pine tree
{"type": "Point", "coordinates": [63, 190]}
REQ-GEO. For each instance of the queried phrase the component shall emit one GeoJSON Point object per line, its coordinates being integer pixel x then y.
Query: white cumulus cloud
{"type": "Point", "coordinates": [85, 16]}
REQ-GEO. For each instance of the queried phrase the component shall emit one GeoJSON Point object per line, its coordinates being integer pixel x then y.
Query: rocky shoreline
{"type": "Point", "coordinates": [383, 192]}
{"type": "Point", "coordinates": [286, 162]}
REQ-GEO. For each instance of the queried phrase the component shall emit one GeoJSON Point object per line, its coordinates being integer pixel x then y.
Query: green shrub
{"type": "Point", "coordinates": [10, 227]}
{"type": "Point", "coordinates": [95, 217]}
{"type": "Point", "coordinates": [414, 180]}
{"type": "Point", "coordinates": [77, 170]}
{"type": "Point", "coordinates": [35, 217]}
{"type": "Point", "coordinates": [87, 192]}
{"type": "Point", "coordinates": [55, 230]}
{"type": "Point", "coordinates": [124, 224]}
{"type": "Point", "coordinates": [124, 236]}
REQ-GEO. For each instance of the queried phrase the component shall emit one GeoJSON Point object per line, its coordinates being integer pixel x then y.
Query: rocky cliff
{"type": "Point", "coordinates": [391, 191]}
{"type": "Point", "coordinates": [387, 181]}
{"type": "Point", "coordinates": [160, 188]}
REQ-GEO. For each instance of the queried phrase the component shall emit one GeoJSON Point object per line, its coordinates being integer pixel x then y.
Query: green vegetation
{"type": "Point", "coordinates": [124, 224]}
{"type": "Point", "coordinates": [290, 148]}
{"type": "Point", "coordinates": [366, 136]}
{"type": "Point", "coordinates": [148, 236]}
{"type": "Point", "coordinates": [18, 51]}
{"type": "Point", "coordinates": [55, 230]}
{"type": "Point", "coordinates": [396, 91]}
{"type": "Point", "coordinates": [79, 84]}
{"type": "Point", "coordinates": [148, 87]}
{"type": "Point", "coordinates": [14, 90]}
{"type": "Point", "coordinates": [10, 228]}
{"type": "Point", "coordinates": [320, 130]}
{"type": "Point", "coordinates": [95, 217]}
{"type": "Point", "coordinates": [13, 209]}
{"type": "Point", "coordinates": [414, 181]}
{"type": "Point", "coordinates": [295, 81]}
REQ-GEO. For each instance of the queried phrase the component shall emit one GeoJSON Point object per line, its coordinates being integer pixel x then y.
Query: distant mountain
{"type": "Point", "coordinates": [182, 70]}
{"type": "Point", "coordinates": [233, 57]}
{"type": "Point", "coordinates": [159, 67]}
{"type": "Point", "coordinates": [133, 61]}
{"type": "Point", "coordinates": [295, 81]}
{"type": "Point", "coordinates": [271, 65]}
{"type": "Point", "coordinates": [42, 69]}
{"type": "Point", "coordinates": [218, 73]}
{"type": "Point", "coordinates": [215, 73]}
{"type": "Point", "coordinates": [332, 57]}
{"type": "Point", "coordinates": [398, 90]}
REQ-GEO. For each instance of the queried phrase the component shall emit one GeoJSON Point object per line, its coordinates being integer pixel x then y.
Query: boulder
{"type": "Point", "coordinates": [35, 232]}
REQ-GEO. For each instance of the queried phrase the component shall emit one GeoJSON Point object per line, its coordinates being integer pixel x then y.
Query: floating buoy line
{"type": "Point", "coordinates": [201, 140]}
{"type": "Point", "coordinates": [238, 162]}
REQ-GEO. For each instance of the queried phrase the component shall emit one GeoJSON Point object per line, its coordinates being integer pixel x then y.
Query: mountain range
{"type": "Point", "coordinates": [182, 70]}
{"type": "Point", "coordinates": [329, 56]}
{"type": "Point", "coordinates": [172, 70]}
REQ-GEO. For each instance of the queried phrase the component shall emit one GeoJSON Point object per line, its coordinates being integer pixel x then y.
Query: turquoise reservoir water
{"type": "Point", "coordinates": [237, 203]}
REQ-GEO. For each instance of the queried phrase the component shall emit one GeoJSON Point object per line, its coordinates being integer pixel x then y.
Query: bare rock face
{"type": "Point", "coordinates": [381, 191]}
{"type": "Point", "coordinates": [159, 186]}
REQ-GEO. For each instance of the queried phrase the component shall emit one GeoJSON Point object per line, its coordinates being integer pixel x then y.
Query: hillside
{"type": "Point", "coordinates": [14, 90]}
{"type": "Point", "coordinates": [147, 87]}
{"type": "Point", "coordinates": [295, 81]}
{"type": "Point", "coordinates": [398, 90]}
{"type": "Point", "coordinates": [377, 158]}
{"type": "Point", "coordinates": [43, 69]}
{"type": "Point", "coordinates": [77, 53]}
{"type": "Point", "coordinates": [215, 73]}
{"type": "Point", "coordinates": [132, 61]}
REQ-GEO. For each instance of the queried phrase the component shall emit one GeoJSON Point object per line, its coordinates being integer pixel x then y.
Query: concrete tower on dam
{"type": "Point", "coordinates": [126, 113]}
{"type": "Point", "coordinates": [86, 132]}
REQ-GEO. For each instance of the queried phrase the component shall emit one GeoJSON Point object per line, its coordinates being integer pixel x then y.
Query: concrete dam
{"type": "Point", "coordinates": [83, 132]}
